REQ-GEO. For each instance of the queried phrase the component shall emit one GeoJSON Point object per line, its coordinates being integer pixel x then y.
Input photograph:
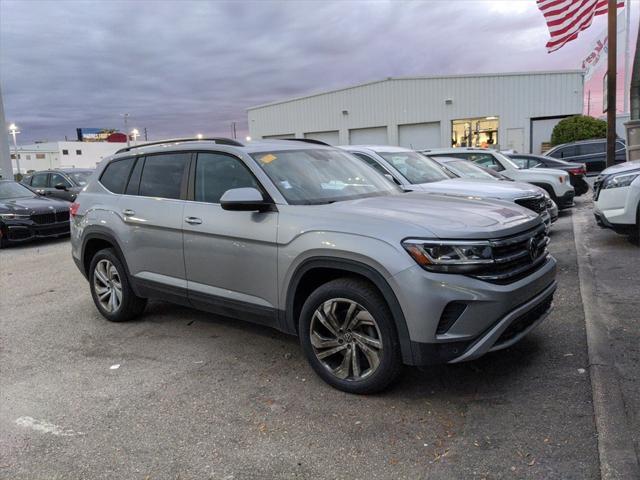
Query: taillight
{"type": "Point", "coordinates": [561, 179]}
{"type": "Point", "coordinates": [73, 209]}
{"type": "Point", "coordinates": [577, 171]}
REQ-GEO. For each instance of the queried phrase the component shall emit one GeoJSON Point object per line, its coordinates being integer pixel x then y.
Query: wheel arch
{"type": "Point", "coordinates": [316, 271]}
{"type": "Point", "coordinates": [93, 242]}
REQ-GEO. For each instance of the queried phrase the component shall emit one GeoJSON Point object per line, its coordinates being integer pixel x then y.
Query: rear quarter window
{"type": "Point", "coordinates": [115, 176]}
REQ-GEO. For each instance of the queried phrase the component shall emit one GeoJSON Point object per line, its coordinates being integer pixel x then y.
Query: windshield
{"type": "Point", "coordinates": [310, 177]}
{"type": "Point", "coordinates": [14, 190]}
{"type": "Point", "coordinates": [80, 178]}
{"type": "Point", "coordinates": [467, 169]}
{"type": "Point", "coordinates": [415, 167]}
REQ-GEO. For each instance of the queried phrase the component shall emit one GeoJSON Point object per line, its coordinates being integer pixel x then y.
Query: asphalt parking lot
{"type": "Point", "coordinates": [180, 394]}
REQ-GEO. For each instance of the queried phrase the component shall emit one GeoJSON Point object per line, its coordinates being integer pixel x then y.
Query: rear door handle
{"type": "Point", "coordinates": [128, 212]}
{"type": "Point", "coordinates": [193, 220]}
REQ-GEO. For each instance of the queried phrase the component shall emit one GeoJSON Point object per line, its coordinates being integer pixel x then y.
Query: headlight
{"type": "Point", "coordinates": [455, 256]}
{"type": "Point", "coordinates": [12, 216]}
{"type": "Point", "coordinates": [620, 180]}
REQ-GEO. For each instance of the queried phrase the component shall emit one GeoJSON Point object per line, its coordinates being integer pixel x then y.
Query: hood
{"type": "Point", "coordinates": [622, 167]}
{"type": "Point", "coordinates": [29, 205]}
{"type": "Point", "coordinates": [435, 215]}
{"type": "Point", "coordinates": [480, 188]}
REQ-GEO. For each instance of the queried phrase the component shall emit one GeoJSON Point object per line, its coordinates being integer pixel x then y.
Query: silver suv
{"type": "Point", "coordinates": [314, 242]}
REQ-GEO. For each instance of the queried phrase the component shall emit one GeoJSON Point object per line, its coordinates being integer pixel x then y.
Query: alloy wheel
{"type": "Point", "coordinates": [107, 285]}
{"type": "Point", "coordinates": [346, 339]}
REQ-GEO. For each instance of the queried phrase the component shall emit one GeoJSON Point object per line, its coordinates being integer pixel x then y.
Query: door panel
{"type": "Point", "coordinates": [55, 179]}
{"type": "Point", "coordinates": [153, 224]}
{"type": "Point", "coordinates": [230, 257]}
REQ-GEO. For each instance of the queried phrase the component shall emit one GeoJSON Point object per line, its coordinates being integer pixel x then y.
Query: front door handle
{"type": "Point", "coordinates": [193, 220]}
{"type": "Point", "coordinates": [128, 212]}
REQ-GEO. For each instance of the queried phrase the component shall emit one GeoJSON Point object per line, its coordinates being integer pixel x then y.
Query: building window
{"type": "Point", "coordinates": [475, 132]}
{"type": "Point", "coordinates": [40, 156]}
{"type": "Point", "coordinates": [78, 152]}
{"type": "Point", "coordinates": [65, 152]}
{"type": "Point", "coordinates": [13, 156]}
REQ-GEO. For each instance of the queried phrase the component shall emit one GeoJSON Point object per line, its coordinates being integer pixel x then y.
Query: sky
{"type": "Point", "coordinates": [185, 67]}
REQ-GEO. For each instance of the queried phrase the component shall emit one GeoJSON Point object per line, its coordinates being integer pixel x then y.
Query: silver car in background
{"type": "Point", "coordinates": [311, 241]}
{"type": "Point", "coordinates": [414, 171]}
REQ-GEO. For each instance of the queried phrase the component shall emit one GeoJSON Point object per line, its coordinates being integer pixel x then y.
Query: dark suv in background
{"type": "Point", "coordinates": [576, 171]}
{"type": "Point", "coordinates": [64, 183]}
{"type": "Point", "coordinates": [593, 153]}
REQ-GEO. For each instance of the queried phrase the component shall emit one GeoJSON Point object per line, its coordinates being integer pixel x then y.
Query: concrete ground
{"type": "Point", "coordinates": [614, 262]}
{"type": "Point", "coordinates": [180, 394]}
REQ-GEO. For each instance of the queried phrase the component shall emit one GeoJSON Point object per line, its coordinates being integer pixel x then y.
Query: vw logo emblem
{"type": "Point", "coordinates": [533, 248]}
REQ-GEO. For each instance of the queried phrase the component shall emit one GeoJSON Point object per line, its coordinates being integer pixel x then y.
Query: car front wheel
{"type": "Point", "coordinates": [348, 335]}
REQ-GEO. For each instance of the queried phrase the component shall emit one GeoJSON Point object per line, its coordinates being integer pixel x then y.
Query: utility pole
{"type": "Point", "coordinates": [14, 131]}
{"type": "Point", "coordinates": [6, 168]}
{"type": "Point", "coordinates": [126, 127]}
{"type": "Point", "coordinates": [146, 139]}
{"type": "Point", "coordinates": [612, 68]}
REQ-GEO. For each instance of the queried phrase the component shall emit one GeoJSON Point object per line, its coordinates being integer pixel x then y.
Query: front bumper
{"type": "Point", "coordinates": [566, 200]}
{"type": "Point", "coordinates": [18, 231]}
{"type": "Point", "coordinates": [488, 311]}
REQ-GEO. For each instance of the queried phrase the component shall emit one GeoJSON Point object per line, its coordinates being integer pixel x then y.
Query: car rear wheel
{"type": "Point", "coordinates": [110, 288]}
{"type": "Point", "coordinates": [349, 338]}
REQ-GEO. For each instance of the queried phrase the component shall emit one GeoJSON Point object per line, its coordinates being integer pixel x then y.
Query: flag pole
{"type": "Point", "coordinates": [612, 34]}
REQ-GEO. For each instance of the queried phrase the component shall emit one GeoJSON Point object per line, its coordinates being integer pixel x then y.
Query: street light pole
{"type": "Point", "coordinates": [13, 129]}
{"type": "Point", "coordinates": [126, 127]}
{"type": "Point", "coordinates": [612, 70]}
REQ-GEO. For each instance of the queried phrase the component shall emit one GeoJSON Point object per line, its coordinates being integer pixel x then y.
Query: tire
{"type": "Point", "coordinates": [635, 234]}
{"type": "Point", "coordinates": [106, 274]}
{"type": "Point", "coordinates": [371, 326]}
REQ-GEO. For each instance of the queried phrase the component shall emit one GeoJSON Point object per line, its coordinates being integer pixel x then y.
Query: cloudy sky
{"type": "Point", "coordinates": [183, 67]}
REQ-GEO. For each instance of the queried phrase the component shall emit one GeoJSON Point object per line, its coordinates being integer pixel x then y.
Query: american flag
{"type": "Point", "coordinates": [567, 18]}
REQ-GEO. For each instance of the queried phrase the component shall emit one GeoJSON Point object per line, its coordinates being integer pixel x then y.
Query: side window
{"type": "Point", "coordinates": [114, 177]}
{"type": "Point", "coordinates": [40, 180]}
{"type": "Point", "coordinates": [486, 160]}
{"type": "Point", "coordinates": [620, 146]}
{"type": "Point", "coordinates": [162, 175]}
{"type": "Point", "coordinates": [566, 152]}
{"type": "Point", "coordinates": [371, 162]}
{"type": "Point", "coordinates": [216, 173]}
{"type": "Point", "coordinates": [520, 162]}
{"type": "Point", "coordinates": [534, 163]}
{"type": "Point", "coordinates": [134, 181]}
{"type": "Point", "coordinates": [56, 179]}
{"type": "Point", "coordinates": [596, 148]}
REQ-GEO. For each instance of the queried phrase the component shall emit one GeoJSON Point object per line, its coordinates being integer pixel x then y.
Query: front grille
{"type": "Point", "coordinates": [44, 218]}
{"type": "Point", "coordinates": [516, 257]}
{"type": "Point", "coordinates": [538, 204]}
{"type": "Point", "coordinates": [62, 215]}
{"type": "Point", "coordinates": [525, 320]}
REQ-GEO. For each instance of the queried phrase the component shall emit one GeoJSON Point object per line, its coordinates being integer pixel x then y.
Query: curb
{"type": "Point", "coordinates": [618, 459]}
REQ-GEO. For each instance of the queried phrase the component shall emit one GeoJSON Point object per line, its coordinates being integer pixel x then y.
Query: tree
{"type": "Point", "coordinates": [576, 128]}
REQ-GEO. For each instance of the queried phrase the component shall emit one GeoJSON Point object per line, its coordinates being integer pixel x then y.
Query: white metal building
{"type": "Point", "coordinates": [508, 111]}
{"type": "Point", "coordinates": [46, 155]}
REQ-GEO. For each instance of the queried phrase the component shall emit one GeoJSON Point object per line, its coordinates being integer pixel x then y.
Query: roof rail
{"type": "Point", "coordinates": [219, 140]}
{"type": "Point", "coordinates": [307, 140]}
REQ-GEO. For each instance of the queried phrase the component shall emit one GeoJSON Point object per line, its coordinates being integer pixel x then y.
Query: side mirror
{"type": "Point", "coordinates": [61, 186]}
{"type": "Point", "coordinates": [244, 200]}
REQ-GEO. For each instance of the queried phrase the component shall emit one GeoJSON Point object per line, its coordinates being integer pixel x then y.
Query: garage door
{"type": "Point", "coordinates": [541, 132]}
{"type": "Point", "coordinates": [331, 137]}
{"type": "Point", "coordinates": [419, 135]}
{"type": "Point", "coordinates": [286, 135]}
{"type": "Point", "coordinates": [368, 136]}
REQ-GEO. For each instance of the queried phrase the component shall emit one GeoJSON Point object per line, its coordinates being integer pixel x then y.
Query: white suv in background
{"type": "Point", "coordinates": [555, 182]}
{"type": "Point", "coordinates": [616, 192]}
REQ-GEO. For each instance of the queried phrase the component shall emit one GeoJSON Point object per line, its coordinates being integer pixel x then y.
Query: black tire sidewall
{"type": "Point", "coordinates": [372, 300]}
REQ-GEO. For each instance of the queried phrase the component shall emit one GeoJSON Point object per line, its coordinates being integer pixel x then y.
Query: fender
{"type": "Point", "coordinates": [361, 269]}
{"type": "Point", "coordinates": [96, 232]}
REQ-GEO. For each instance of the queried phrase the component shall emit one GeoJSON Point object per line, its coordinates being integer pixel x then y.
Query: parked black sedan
{"type": "Point", "coordinates": [25, 215]}
{"type": "Point", "coordinates": [576, 171]}
{"type": "Point", "coordinates": [63, 183]}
